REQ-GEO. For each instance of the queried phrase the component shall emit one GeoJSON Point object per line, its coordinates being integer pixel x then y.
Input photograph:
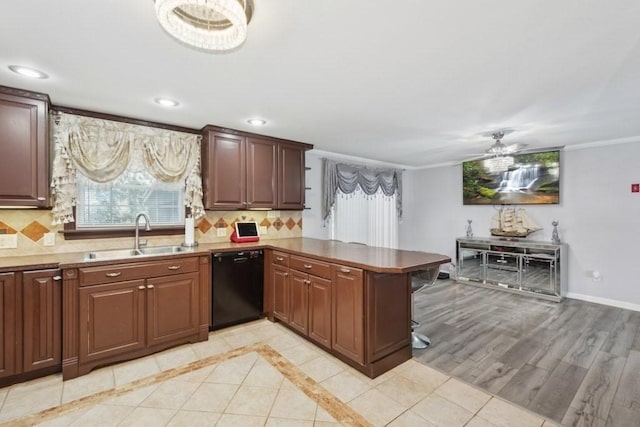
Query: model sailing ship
{"type": "Point", "coordinates": [512, 222]}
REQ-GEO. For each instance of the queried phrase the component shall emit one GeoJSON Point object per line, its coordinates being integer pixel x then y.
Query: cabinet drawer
{"type": "Point", "coordinates": [311, 266]}
{"type": "Point", "coordinates": [120, 272]}
{"type": "Point", "coordinates": [280, 258]}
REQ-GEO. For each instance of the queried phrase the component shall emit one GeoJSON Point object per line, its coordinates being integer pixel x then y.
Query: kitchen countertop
{"type": "Point", "coordinates": [381, 260]}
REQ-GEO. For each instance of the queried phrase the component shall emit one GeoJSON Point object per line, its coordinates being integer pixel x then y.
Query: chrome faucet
{"type": "Point", "coordinates": [137, 244]}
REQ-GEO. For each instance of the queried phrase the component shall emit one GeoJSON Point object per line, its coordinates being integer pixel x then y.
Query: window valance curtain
{"type": "Point", "coordinates": [102, 149]}
{"type": "Point", "coordinates": [347, 177]}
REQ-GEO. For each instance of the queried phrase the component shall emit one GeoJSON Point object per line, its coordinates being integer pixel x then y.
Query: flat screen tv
{"type": "Point", "coordinates": [519, 179]}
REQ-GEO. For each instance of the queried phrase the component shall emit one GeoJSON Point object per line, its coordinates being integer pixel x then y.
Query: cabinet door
{"type": "Point", "coordinates": [7, 324]}
{"type": "Point", "coordinates": [24, 151]}
{"type": "Point", "coordinates": [112, 319]}
{"type": "Point", "coordinates": [320, 310]}
{"type": "Point", "coordinates": [299, 301]}
{"type": "Point", "coordinates": [290, 177]}
{"type": "Point", "coordinates": [347, 308]}
{"type": "Point", "coordinates": [172, 307]}
{"type": "Point", "coordinates": [280, 283]}
{"type": "Point", "coordinates": [540, 273]}
{"type": "Point", "coordinates": [223, 171]}
{"type": "Point", "coordinates": [261, 173]}
{"type": "Point", "coordinates": [42, 319]}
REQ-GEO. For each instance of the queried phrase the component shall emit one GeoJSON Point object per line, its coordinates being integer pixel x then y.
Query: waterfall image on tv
{"type": "Point", "coordinates": [529, 179]}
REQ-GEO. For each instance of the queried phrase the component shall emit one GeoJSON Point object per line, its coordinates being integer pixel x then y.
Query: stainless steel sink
{"type": "Point", "coordinates": [160, 250]}
{"type": "Point", "coordinates": [130, 253]}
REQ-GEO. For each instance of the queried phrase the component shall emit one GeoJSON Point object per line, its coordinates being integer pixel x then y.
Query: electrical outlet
{"type": "Point", "coordinates": [8, 241]}
{"type": "Point", "coordinates": [49, 239]}
{"type": "Point", "coordinates": [263, 230]}
{"type": "Point", "coordinates": [273, 214]}
{"type": "Point", "coordinates": [221, 232]}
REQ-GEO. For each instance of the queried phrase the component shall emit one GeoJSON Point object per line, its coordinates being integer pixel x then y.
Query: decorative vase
{"type": "Point", "coordinates": [555, 238]}
{"type": "Point", "coordinates": [469, 230]}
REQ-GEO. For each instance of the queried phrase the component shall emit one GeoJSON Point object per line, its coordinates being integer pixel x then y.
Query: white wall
{"type": "Point", "coordinates": [599, 219]}
{"type": "Point", "coordinates": [312, 224]}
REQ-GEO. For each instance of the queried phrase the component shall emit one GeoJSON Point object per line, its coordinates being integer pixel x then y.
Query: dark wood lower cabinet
{"type": "Point", "coordinates": [113, 319]}
{"type": "Point", "coordinates": [360, 316]}
{"type": "Point", "coordinates": [299, 302]}
{"type": "Point", "coordinates": [30, 324]}
{"type": "Point", "coordinates": [42, 319]}
{"type": "Point", "coordinates": [320, 310]}
{"type": "Point", "coordinates": [279, 277]}
{"type": "Point", "coordinates": [124, 311]}
{"type": "Point", "coordinates": [7, 324]}
{"type": "Point", "coordinates": [172, 308]}
{"type": "Point", "coordinates": [347, 305]}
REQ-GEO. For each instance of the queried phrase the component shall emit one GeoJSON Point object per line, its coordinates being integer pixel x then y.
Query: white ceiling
{"type": "Point", "coordinates": [412, 82]}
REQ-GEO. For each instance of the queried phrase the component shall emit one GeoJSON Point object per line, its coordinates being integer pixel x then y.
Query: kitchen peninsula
{"type": "Point", "coordinates": [352, 300]}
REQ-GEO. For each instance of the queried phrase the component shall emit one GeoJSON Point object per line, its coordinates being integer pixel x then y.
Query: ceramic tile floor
{"type": "Point", "coordinates": [256, 374]}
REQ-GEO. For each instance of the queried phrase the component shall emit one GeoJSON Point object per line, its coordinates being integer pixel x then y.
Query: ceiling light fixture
{"type": "Point", "coordinates": [257, 122]}
{"type": "Point", "coordinates": [211, 25]}
{"type": "Point", "coordinates": [28, 72]}
{"type": "Point", "coordinates": [500, 159]}
{"type": "Point", "coordinates": [166, 102]}
{"type": "Point", "coordinates": [498, 148]}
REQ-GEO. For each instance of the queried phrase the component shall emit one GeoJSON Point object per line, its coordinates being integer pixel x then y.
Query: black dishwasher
{"type": "Point", "coordinates": [236, 289]}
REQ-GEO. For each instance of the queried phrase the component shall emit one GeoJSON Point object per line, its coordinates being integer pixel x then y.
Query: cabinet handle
{"type": "Point", "coordinates": [174, 267]}
{"type": "Point", "coordinates": [286, 274]}
{"type": "Point", "coordinates": [41, 198]}
{"type": "Point", "coordinates": [149, 286]}
{"type": "Point", "coordinates": [279, 258]}
{"type": "Point", "coordinates": [345, 270]}
{"type": "Point", "coordinates": [56, 278]}
{"type": "Point", "coordinates": [308, 282]}
{"type": "Point", "coordinates": [119, 273]}
{"type": "Point", "coordinates": [141, 287]}
{"type": "Point", "coordinates": [308, 266]}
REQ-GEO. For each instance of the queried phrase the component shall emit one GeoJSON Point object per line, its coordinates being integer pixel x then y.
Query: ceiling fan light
{"type": "Point", "coordinates": [211, 25]}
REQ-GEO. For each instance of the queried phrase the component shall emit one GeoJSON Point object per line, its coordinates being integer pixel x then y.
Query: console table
{"type": "Point", "coordinates": [516, 265]}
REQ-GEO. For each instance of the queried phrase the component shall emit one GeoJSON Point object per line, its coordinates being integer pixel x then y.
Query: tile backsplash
{"type": "Point", "coordinates": [216, 226]}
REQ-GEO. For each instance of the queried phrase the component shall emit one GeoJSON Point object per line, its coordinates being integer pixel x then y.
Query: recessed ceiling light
{"type": "Point", "coordinates": [28, 72]}
{"type": "Point", "coordinates": [257, 122]}
{"type": "Point", "coordinates": [167, 102]}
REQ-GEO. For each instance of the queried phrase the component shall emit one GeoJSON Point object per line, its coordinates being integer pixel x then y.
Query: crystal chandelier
{"type": "Point", "coordinates": [500, 159]}
{"type": "Point", "coordinates": [498, 148]}
{"type": "Point", "coordinates": [211, 25]}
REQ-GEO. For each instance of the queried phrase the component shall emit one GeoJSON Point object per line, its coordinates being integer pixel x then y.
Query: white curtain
{"type": "Point", "coordinates": [102, 149]}
{"type": "Point", "coordinates": [361, 218]}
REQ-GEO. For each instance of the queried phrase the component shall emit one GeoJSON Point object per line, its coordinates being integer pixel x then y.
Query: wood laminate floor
{"type": "Point", "coordinates": [574, 362]}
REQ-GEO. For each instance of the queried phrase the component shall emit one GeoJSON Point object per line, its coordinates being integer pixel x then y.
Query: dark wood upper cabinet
{"type": "Point", "coordinates": [261, 173]}
{"type": "Point", "coordinates": [247, 171]}
{"type": "Point", "coordinates": [223, 171]}
{"type": "Point", "coordinates": [291, 177]}
{"type": "Point", "coordinates": [24, 148]}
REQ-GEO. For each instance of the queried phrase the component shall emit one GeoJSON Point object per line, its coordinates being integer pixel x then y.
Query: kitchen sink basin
{"type": "Point", "coordinates": [131, 253]}
{"type": "Point", "coordinates": [160, 250]}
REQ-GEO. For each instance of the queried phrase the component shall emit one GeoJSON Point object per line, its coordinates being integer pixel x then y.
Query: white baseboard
{"type": "Point", "coordinates": [605, 301]}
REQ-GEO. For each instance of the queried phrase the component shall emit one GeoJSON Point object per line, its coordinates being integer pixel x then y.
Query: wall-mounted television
{"type": "Point", "coordinates": [518, 179]}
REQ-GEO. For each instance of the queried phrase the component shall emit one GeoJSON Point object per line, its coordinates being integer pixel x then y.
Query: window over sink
{"type": "Point", "coordinates": [116, 203]}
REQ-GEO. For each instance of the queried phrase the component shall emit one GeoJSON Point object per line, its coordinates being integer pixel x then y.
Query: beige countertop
{"type": "Point", "coordinates": [381, 260]}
